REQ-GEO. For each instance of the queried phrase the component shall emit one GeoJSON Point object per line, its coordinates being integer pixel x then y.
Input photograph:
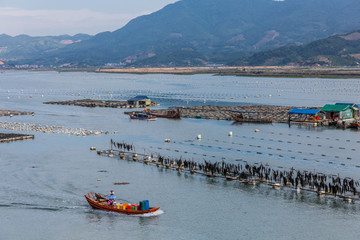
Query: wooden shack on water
{"type": "Point", "coordinates": [340, 114]}
{"type": "Point", "coordinates": [139, 101]}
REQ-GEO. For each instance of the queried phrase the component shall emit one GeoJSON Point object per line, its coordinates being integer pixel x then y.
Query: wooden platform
{"type": "Point", "coordinates": [98, 103]}
{"type": "Point", "coordinates": [13, 113]}
{"type": "Point", "coordinates": [10, 137]}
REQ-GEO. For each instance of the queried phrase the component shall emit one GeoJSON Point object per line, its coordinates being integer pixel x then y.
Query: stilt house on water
{"type": "Point", "coordinates": [340, 114]}
{"type": "Point", "coordinates": [140, 101]}
{"type": "Point", "coordinates": [356, 108]}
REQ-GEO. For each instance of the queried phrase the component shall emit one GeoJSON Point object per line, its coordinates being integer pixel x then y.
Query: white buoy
{"type": "Point", "coordinates": [199, 136]}
{"type": "Point", "coordinates": [257, 130]}
{"type": "Point", "coordinates": [276, 185]}
{"type": "Point", "coordinates": [230, 133]}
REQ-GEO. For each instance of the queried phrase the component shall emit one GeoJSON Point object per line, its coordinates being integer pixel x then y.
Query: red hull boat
{"type": "Point", "coordinates": [95, 202]}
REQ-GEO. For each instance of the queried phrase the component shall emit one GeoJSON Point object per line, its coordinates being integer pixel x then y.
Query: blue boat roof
{"type": "Point", "coordinates": [304, 111]}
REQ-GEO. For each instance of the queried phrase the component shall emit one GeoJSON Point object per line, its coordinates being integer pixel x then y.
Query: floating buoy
{"type": "Point", "coordinates": [321, 193]}
{"type": "Point", "coordinates": [276, 185]}
{"type": "Point", "coordinates": [92, 148]}
{"type": "Point", "coordinates": [167, 140]}
{"type": "Point", "coordinates": [230, 133]}
{"type": "Point", "coordinates": [198, 136]}
{"type": "Point", "coordinates": [257, 130]}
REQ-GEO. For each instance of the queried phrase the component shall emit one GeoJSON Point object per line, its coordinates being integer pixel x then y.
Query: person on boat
{"type": "Point", "coordinates": [111, 197]}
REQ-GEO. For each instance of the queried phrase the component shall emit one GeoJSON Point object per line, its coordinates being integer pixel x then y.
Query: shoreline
{"type": "Point", "coordinates": [271, 71]}
{"type": "Point", "coordinates": [241, 71]}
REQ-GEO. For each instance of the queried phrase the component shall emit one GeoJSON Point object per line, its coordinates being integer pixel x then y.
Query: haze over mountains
{"type": "Point", "coordinates": [203, 32]}
{"type": "Point", "coordinates": [25, 47]}
{"type": "Point", "coordinates": [338, 50]}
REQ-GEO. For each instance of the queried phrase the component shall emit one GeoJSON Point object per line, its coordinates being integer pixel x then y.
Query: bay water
{"type": "Point", "coordinates": [43, 181]}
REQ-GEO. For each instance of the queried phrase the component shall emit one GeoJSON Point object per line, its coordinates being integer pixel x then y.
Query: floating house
{"type": "Point", "coordinates": [340, 113]}
{"type": "Point", "coordinates": [140, 101]}
{"type": "Point", "coordinates": [353, 105]}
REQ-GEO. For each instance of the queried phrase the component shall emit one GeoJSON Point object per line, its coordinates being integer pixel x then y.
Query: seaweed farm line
{"type": "Point", "coordinates": [319, 183]}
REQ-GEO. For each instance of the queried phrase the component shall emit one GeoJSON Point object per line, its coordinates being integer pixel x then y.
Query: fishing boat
{"type": "Point", "coordinates": [173, 113]}
{"type": "Point", "coordinates": [354, 125]}
{"type": "Point", "coordinates": [141, 116]}
{"type": "Point", "coordinates": [98, 201]}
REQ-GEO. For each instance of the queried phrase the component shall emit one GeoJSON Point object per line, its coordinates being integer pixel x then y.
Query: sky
{"type": "Point", "coordinates": [57, 17]}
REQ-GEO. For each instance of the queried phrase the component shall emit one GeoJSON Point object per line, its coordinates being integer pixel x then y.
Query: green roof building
{"type": "Point", "coordinates": [339, 111]}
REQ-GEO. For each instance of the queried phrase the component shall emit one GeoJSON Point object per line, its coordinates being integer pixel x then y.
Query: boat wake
{"type": "Point", "coordinates": [156, 213]}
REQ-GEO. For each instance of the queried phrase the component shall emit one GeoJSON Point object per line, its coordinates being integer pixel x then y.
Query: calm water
{"type": "Point", "coordinates": [42, 181]}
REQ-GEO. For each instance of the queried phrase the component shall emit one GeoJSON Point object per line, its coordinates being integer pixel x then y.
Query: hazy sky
{"type": "Point", "coordinates": [56, 17]}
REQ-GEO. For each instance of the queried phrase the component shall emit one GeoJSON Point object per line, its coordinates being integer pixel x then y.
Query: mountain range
{"type": "Point", "coordinates": [26, 47]}
{"type": "Point", "coordinates": [337, 50]}
{"type": "Point", "coordinates": [204, 32]}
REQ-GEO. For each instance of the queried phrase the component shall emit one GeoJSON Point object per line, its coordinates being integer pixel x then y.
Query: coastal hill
{"type": "Point", "coordinates": [337, 50]}
{"type": "Point", "coordinates": [203, 32]}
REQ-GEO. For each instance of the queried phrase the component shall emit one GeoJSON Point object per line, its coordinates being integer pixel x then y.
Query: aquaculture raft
{"type": "Point", "coordinates": [239, 117]}
{"type": "Point", "coordinates": [9, 137]}
{"type": "Point", "coordinates": [95, 203]}
{"type": "Point", "coordinates": [322, 184]}
{"type": "Point", "coordinates": [175, 113]}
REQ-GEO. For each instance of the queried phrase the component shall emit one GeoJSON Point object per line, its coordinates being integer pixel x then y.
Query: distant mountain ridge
{"type": "Point", "coordinates": [24, 46]}
{"type": "Point", "coordinates": [202, 32]}
{"type": "Point", "coordinates": [338, 50]}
